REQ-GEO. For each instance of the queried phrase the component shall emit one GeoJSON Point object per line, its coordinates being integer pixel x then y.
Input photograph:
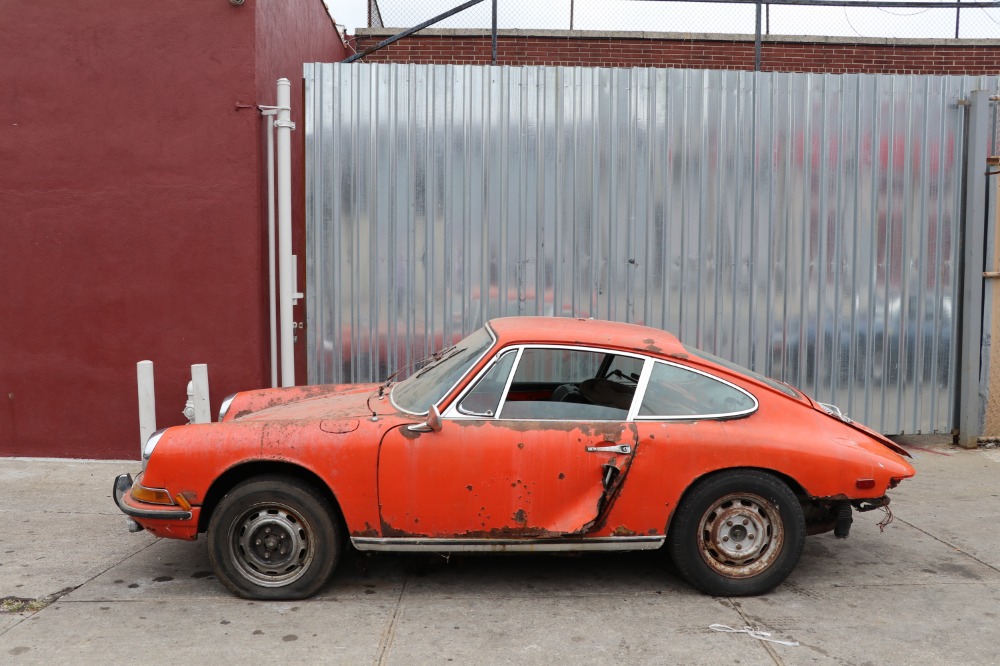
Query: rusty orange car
{"type": "Point", "coordinates": [530, 434]}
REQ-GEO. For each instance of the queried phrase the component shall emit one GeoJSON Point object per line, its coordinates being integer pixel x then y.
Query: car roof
{"type": "Point", "coordinates": [588, 332]}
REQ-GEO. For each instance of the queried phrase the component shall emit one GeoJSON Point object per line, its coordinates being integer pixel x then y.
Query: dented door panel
{"type": "Point", "coordinates": [500, 479]}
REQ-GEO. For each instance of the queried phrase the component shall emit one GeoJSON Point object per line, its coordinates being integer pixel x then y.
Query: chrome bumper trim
{"type": "Point", "coordinates": [405, 545]}
{"type": "Point", "coordinates": [123, 483]}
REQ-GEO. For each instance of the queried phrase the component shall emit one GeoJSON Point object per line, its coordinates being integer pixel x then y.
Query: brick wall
{"type": "Point", "coordinates": [831, 55]}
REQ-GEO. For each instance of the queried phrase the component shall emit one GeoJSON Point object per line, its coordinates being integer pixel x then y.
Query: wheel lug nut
{"type": "Point", "coordinates": [267, 555]}
{"type": "Point", "coordinates": [749, 536]}
{"type": "Point", "coordinates": [267, 530]}
{"type": "Point", "coordinates": [258, 542]}
{"type": "Point", "coordinates": [725, 538]}
{"type": "Point", "coordinates": [729, 523]}
{"type": "Point", "coordinates": [746, 522]}
{"type": "Point", "coordinates": [739, 547]}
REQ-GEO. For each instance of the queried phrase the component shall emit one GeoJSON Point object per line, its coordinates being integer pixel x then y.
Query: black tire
{"type": "Point", "coordinates": [274, 537]}
{"type": "Point", "coordinates": [737, 533]}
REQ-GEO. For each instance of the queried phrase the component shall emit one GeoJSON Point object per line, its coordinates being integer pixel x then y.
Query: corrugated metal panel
{"type": "Point", "coordinates": [806, 226]}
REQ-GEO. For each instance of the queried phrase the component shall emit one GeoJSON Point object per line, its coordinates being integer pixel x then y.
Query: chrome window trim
{"type": "Point", "coordinates": [640, 388]}
{"type": "Point", "coordinates": [697, 417]}
{"type": "Point", "coordinates": [454, 414]}
{"type": "Point", "coordinates": [455, 409]}
{"type": "Point", "coordinates": [448, 392]}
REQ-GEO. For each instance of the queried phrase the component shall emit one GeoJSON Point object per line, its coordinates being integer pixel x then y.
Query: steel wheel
{"type": "Point", "coordinates": [272, 545]}
{"type": "Point", "coordinates": [274, 538]}
{"type": "Point", "coordinates": [741, 535]}
{"type": "Point", "coordinates": [738, 532]}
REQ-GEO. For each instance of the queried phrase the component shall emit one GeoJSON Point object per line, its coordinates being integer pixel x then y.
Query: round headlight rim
{"type": "Point", "coordinates": [226, 404]}
{"type": "Point", "coordinates": [147, 449]}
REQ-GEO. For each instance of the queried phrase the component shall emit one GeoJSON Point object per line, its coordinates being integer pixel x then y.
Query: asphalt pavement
{"type": "Point", "coordinates": [76, 587]}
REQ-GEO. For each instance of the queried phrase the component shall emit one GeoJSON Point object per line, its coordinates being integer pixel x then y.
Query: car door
{"type": "Point", "coordinates": [523, 453]}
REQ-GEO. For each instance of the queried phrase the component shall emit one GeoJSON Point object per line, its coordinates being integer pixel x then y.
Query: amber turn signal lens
{"type": "Point", "coordinates": [182, 502]}
{"type": "Point", "coordinates": [865, 484]}
{"type": "Point", "coordinates": [150, 495]}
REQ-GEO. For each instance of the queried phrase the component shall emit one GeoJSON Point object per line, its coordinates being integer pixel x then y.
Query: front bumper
{"type": "Point", "coordinates": [123, 484]}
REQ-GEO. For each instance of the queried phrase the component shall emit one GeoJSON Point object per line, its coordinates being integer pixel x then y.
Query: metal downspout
{"type": "Point", "coordinates": [272, 295]}
{"type": "Point", "coordinates": [284, 153]}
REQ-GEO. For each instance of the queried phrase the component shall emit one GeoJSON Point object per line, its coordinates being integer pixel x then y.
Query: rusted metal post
{"type": "Point", "coordinates": [494, 32]}
{"type": "Point", "coordinates": [757, 41]}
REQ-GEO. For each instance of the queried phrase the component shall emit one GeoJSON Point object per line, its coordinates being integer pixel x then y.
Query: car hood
{"type": "Point", "coordinates": [341, 402]}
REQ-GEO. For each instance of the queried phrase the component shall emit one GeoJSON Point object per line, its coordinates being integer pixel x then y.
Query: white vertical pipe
{"type": "Point", "coordinates": [147, 402]}
{"type": "Point", "coordinates": [272, 295]}
{"type": "Point", "coordinates": [202, 405]}
{"type": "Point", "coordinates": [284, 150]}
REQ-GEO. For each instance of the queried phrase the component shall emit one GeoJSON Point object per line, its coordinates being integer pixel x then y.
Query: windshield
{"type": "Point", "coordinates": [433, 382]}
{"type": "Point", "coordinates": [773, 383]}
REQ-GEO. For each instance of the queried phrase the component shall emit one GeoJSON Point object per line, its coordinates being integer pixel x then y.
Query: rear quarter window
{"type": "Point", "coordinates": [675, 392]}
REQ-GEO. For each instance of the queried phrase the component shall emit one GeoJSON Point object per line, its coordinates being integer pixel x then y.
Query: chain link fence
{"type": "Point", "coordinates": [699, 17]}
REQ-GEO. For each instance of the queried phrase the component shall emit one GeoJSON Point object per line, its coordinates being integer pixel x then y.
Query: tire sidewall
{"type": "Point", "coordinates": [683, 541]}
{"type": "Point", "coordinates": [301, 498]}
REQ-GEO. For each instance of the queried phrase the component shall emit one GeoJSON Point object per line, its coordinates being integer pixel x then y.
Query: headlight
{"type": "Point", "coordinates": [150, 445]}
{"type": "Point", "coordinates": [225, 406]}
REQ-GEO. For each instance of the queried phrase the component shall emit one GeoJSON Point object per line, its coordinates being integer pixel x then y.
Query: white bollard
{"type": "Point", "coordinates": [202, 405]}
{"type": "Point", "coordinates": [147, 402]}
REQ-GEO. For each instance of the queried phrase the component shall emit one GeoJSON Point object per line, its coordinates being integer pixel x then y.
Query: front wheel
{"type": "Point", "coordinates": [737, 533]}
{"type": "Point", "coordinates": [273, 538]}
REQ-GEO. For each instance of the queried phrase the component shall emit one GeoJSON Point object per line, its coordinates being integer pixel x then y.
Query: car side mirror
{"type": "Point", "coordinates": [432, 424]}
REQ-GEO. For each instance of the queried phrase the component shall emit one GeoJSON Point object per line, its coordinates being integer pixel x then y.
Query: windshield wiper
{"type": "Point", "coordinates": [429, 360]}
{"type": "Point", "coordinates": [451, 352]}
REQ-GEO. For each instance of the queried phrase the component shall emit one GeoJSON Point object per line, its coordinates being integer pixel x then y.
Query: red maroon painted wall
{"type": "Point", "coordinates": [132, 207]}
{"type": "Point", "coordinates": [588, 50]}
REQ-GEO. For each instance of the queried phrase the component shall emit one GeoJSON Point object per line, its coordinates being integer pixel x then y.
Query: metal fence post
{"type": "Point", "coordinates": [757, 41]}
{"type": "Point", "coordinates": [494, 33]}
{"type": "Point", "coordinates": [971, 404]}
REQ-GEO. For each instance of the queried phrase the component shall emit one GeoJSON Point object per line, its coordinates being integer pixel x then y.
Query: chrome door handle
{"type": "Point", "coordinates": [617, 448]}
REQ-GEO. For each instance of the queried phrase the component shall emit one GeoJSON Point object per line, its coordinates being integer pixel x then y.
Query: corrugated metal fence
{"type": "Point", "coordinates": [806, 226]}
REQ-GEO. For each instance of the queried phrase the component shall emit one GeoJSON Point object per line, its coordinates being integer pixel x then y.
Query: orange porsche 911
{"type": "Point", "coordinates": [532, 433]}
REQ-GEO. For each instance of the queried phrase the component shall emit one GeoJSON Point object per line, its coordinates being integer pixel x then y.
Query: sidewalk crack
{"type": "Point", "coordinates": [389, 633]}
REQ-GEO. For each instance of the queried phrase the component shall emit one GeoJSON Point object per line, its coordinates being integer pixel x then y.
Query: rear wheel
{"type": "Point", "coordinates": [737, 533]}
{"type": "Point", "coordinates": [273, 538]}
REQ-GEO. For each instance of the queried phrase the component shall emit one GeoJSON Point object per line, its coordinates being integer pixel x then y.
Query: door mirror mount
{"type": "Point", "coordinates": [432, 424]}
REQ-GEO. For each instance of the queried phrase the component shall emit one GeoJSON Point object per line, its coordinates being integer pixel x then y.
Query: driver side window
{"type": "Point", "coordinates": [485, 397]}
{"type": "Point", "coordinates": [570, 385]}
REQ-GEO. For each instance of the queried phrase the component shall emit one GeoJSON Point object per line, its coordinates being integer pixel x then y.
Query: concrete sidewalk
{"type": "Point", "coordinates": [77, 587]}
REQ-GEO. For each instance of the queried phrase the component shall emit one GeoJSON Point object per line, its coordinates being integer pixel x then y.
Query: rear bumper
{"type": "Point", "coordinates": [123, 484]}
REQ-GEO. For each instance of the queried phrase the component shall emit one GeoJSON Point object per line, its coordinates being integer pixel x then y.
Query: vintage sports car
{"type": "Point", "coordinates": [531, 434]}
